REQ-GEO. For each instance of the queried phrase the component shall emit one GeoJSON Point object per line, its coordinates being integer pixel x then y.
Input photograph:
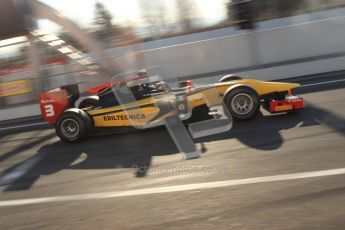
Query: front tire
{"type": "Point", "coordinates": [229, 77]}
{"type": "Point", "coordinates": [73, 125]}
{"type": "Point", "coordinates": [243, 103]}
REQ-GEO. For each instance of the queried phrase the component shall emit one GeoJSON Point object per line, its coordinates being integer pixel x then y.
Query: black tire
{"type": "Point", "coordinates": [229, 78]}
{"type": "Point", "coordinates": [243, 103]}
{"type": "Point", "coordinates": [90, 102]}
{"type": "Point", "coordinates": [73, 125]}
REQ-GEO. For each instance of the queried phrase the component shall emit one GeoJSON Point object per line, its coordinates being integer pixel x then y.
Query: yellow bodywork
{"type": "Point", "coordinates": [261, 87]}
{"type": "Point", "coordinates": [144, 112]}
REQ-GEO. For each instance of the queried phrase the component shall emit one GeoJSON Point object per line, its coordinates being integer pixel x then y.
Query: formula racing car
{"type": "Point", "coordinates": [150, 100]}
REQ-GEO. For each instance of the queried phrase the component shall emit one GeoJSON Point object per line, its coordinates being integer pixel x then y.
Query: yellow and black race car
{"type": "Point", "coordinates": [144, 104]}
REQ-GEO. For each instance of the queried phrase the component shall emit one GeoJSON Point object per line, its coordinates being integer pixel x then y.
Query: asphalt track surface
{"type": "Point", "coordinates": [283, 171]}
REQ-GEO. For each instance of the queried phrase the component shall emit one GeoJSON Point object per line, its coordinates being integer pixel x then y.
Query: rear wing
{"type": "Point", "coordinates": [54, 102]}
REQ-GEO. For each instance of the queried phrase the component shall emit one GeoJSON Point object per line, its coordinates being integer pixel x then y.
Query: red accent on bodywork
{"type": "Point", "coordinates": [96, 89]}
{"type": "Point", "coordinates": [52, 104]}
{"type": "Point", "coordinates": [295, 103]}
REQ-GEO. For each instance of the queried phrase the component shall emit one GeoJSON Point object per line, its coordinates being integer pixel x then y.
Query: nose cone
{"type": "Point", "coordinates": [282, 86]}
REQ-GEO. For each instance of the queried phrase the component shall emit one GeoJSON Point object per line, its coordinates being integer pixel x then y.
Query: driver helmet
{"type": "Point", "coordinates": [143, 78]}
{"type": "Point", "coordinates": [142, 74]}
{"type": "Point", "coordinates": [161, 86]}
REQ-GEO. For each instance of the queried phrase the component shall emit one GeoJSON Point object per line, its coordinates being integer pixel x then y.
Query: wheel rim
{"type": "Point", "coordinates": [70, 128]}
{"type": "Point", "coordinates": [242, 103]}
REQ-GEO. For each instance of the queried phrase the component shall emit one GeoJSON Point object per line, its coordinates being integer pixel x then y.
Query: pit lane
{"type": "Point", "coordinates": [308, 141]}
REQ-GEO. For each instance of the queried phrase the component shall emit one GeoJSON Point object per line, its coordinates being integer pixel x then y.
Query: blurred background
{"type": "Point", "coordinates": [193, 37]}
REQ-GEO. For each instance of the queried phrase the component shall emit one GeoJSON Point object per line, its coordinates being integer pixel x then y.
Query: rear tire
{"type": "Point", "coordinates": [73, 125]}
{"type": "Point", "coordinates": [243, 103]}
{"type": "Point", "coordinates": [90, 102]}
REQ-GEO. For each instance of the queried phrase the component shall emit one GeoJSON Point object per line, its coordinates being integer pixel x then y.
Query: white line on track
{"type": "Point", "coordinates": [169, 189]}
{"type": "Point", "coordinates": [23, 126]}
{"type": "Point", "coordinates": [323, 83]}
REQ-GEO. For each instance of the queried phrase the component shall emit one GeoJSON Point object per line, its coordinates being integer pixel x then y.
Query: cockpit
{"type": "Point", "coordinates": [139, 88]}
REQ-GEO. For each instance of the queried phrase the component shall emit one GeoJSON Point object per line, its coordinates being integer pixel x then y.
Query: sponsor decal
{"type": "Point", "coordinates": [181, 107]}
{"type": "Point", "coordinates": [181, 98]}
{"type": "Point", "coordinates": [47, 101]}
{"type": "Point", "coordinates": [124, 117]}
